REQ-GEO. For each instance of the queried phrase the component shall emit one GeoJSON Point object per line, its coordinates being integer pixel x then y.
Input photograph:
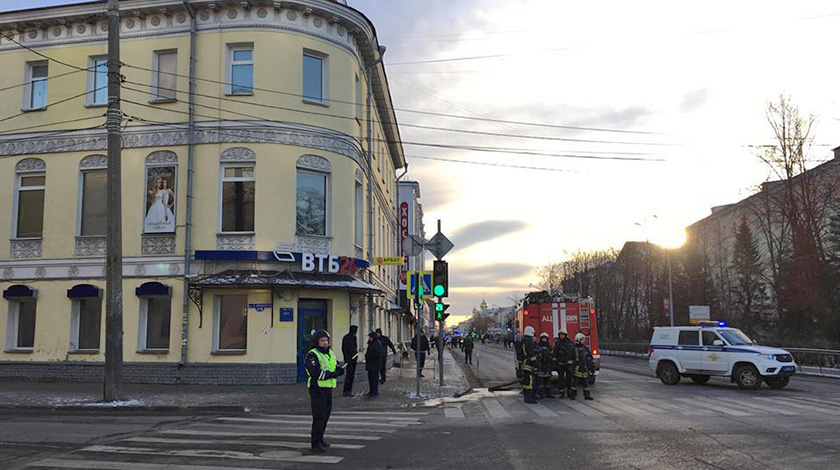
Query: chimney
{"type": "Point", "coordinates": [837, 153]}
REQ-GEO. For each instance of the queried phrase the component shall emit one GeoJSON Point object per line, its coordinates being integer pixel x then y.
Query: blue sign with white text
{"type": "Point", "coordinates": [287, 314]}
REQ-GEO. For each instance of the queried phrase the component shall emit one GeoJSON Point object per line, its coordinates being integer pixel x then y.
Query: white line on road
{"type": "Point", "coordinates": [795, 404]}
{"type": "Point", "coordinates": [605, 408]}
{"type": "Point", "coordinates": [495, 408]}
{"type": "Point", "coordinates": [189, 432]}
{"type": "Point", "coordinates": [755, 406]}
{"type": "Point", "coordinates": [309, 420]}
{"type": "Point", "coordinates": [541, 410]}
{"type": "Point", "coordinates": [669, 406]}
{"type": "Point", "coordinates": [627, 408]}
{"type": "Point", "coordinates": [582, 408]}
{"type": "Point", "coordinates": [273, 456]}
{"type": "Point", "coordinates": [453, 412]}
{"type": "Point", "coordinates": [378, 413]}
{"type": "Point", "coordinates": [301, 427]}
{"type": "Point", "coordinates": [288, 444]}
{"type": "Point", "coordinates": [647, 407]}
{"type": "Point", "coordinates": [104, 465]}
{"type": "Point", "coordinates": [341, 419]}
{"type": "Point", "coordinates": [713, 406]}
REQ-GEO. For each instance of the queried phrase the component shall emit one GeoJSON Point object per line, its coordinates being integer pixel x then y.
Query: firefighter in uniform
{"type": "Point", "coordinates": [583, 366]}
{"type": "Point", "coordinates": [563, 351]}
{"type": "Point", "coordinates": [528, 355]}
{"type": "Point", "coordinates": [322, 370]}
{"type": "Point", "coordinates": [546, 365]}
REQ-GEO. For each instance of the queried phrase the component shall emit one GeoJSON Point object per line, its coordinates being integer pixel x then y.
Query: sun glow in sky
{"type": "Point", "coordinates": [695, 77]}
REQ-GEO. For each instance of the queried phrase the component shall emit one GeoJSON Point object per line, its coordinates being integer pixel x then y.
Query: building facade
{"type": "Point", "coordinates": [248, 218]}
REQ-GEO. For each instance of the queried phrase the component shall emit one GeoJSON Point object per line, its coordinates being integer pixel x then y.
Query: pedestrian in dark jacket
{"type": "Point", "coordinates": [386, 343]}
{"type": "Point", "coordinates": [322, 370]}
{"type": "Point", "coordinates": [424, 348]}
{"type": "Point", "coordinates": [373, 361]}
{"type": "Point", "coordinates": [350, 350]}
{"type": "Point", "coordinates": [469, 345]}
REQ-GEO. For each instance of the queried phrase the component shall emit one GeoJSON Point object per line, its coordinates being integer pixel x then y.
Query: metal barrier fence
{"type": "Point", "coordinates": [809, 361]}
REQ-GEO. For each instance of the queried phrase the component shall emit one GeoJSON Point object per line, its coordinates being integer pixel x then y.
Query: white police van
{"type": "Point", "coordinates": [712, 348]}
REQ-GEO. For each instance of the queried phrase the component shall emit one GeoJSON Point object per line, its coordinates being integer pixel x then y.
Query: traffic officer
{"type": "Point", "coordinates": [374, 356]}
{"type": "Point", "coordinates": [546, 365]}
{"type": "Point", "coordinates": [350, 349]}
{"type": "Point", "coordinates": [322, 370]}
{"type": "Point", "coordinates": [563, 351]}
{"type": "Point", "coordinates": [527, 353]}
{"type": "Point", "coordinates": [583, 366]}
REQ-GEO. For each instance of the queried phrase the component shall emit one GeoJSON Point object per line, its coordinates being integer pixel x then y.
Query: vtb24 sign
{"type": "Point", "coordinates": [311, 262]}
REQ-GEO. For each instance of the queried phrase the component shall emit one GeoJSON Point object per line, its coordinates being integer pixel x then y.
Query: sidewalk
{"type": "Point", "coordinates": [398, 391]}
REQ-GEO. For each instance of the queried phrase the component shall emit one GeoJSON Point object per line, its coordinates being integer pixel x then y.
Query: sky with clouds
{"type": "Point", "coordinates": [690, 80]}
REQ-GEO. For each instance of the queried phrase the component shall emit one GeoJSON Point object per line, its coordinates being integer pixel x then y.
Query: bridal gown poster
{"type": "Point", "coordinates": [160, 200]}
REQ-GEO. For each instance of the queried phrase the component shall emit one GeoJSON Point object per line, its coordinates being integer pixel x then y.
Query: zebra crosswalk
{"type": "Point", "coordinates": [729, 405]}
{"type": "Point", "coordinates": [238, 443]}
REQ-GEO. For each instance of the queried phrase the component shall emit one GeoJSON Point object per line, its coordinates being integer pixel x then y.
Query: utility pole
{"type": "Point", "coordinates": [670, 290]}
{"type": "Point", "coordinates": [418, 305]}
{"type": "Point", "coordinates": [113, 239]}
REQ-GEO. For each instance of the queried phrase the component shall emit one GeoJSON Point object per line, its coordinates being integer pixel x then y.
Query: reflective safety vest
{"type": "Point", "coordinates": [328, 364]}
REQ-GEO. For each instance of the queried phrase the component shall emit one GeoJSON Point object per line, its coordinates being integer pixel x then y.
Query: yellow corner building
{"type": "Point", "coordinates": [244, 228]}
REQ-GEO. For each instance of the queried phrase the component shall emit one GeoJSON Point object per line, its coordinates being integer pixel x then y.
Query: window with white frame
{"type": "Point", "coordinates": [230, 323]}
{"type": "Point", "coordinates": [94, 203]}
{"type": "Point", "coordinates": [29, 204]}
{"type": "Point", "coordinates": [20, 332]}
{"type": "Point", "coordinates": [359, 214]}
{"type": "Point", "coordinates": [315, 74]}
{"type": "Point", "coordinates": [164, 70]}
{"type": "Point", "coordinates": [97, 90]}
{"type": "Point", "coordinates": [35, 95]}
{"type": "Point", "coordinates": [311, 203]}
{"type": "Point", "coordinates": [238, 194]}
{"type": "Point", "coordinates": [86, 324]}
{"type": "Point", "coordinates": [240, 69]}
{"type": "Point", "coordinates": [155, 316]}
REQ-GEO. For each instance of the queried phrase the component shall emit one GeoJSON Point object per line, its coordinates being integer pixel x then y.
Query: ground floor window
{"type": "Point", "coordinates": [21, 325]}
{"type": "Point", "coordinates": [155, 315]}
{"type": "Point", "coordinates": [86, 324]}
{"type": "Point", "coordinates": [231, 322]}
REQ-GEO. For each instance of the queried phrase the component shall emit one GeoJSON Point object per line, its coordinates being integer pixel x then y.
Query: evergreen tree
{"type": "Point", "coordinates": [749, 284]}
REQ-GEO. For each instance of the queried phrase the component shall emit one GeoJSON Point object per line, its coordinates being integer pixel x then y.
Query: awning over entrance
{"type": "Point", "coordinates": [263, 279]}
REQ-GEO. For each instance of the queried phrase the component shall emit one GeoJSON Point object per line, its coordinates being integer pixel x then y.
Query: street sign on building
{"type": "Point", "coordinates": [388, 260]}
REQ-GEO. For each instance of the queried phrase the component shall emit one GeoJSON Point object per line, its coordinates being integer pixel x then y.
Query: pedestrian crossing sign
{"type": "Point", "coordinates": [425, 284]}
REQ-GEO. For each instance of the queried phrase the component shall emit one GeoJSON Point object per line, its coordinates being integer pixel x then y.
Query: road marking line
{"type": "Point", "coordinates": [307, 427]}
{"type": "Point", "coordinates": [712, 406]}
{"type": "Point", "coordinates": [604, 408]}
{"type": "Point", "coordinates": [627, 408]}
{"type": "Point", "coordinates": [757, 407]}
{"type": "Point", "coordinates": [668, 406]}
{"type": "Point", "coordinates": [642, 405]}
{"type": "Point", "coordinates": [378, 413]}
{"type": "Point", "coordinates": [453, 412]}
{"type": "Point", "coordinates": [541, 410]}
{"type": "Point", "coordinates": [188, 432]}
{"type": "Point", "coordinates": [341, 419]}
{"type": "Point", "coordinates": [104, 465]}
{"type": "Point", "coordinates": [289, 444]}
{"type": "Point", "coordinates": [820, 402]}
{"type": "Point", "coordinates": [309, 420]}
{"type": "Point", "coordinates": [583, 408]}
{"type": "Point", "coordinates": [795, 404]}
{"type": "Point", "coordinates": [280, 456]}
{"type": "Point", "coordinates": [495, 408]}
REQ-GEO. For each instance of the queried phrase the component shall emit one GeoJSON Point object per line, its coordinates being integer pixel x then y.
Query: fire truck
{"type": "Point", "coordinates": [550, 314]}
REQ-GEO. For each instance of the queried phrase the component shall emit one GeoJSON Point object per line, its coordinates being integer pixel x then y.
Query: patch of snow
{"type": "Point", "coordinates": [475, 395]}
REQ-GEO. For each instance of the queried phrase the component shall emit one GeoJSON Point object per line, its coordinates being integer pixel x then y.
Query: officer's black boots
{"type": "Point", "coordinates": [318, 449]}
{"type": "Point", "coordinates": [572, 394]}
{"type": "Point", "coordinates": [325, 444]}
{"type": "Point", "coordinates": [587, 395]}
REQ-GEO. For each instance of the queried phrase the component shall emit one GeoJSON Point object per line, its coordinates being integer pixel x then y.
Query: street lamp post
{"type": "Point", "coordinates": [670, 290]}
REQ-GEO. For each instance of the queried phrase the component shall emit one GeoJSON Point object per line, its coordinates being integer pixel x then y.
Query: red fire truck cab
{"type": "Point", "coordinates": [550, 314]}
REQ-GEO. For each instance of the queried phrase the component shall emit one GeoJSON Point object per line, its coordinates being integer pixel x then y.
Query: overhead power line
{"type": "Point", "coordinates": [43, 55]}
{"type": "Point", "coordinates": [69, 121]}
{"type": "Point", "coordinates": [414, 111]}
{"type": "Point", "coordinates": [11, 87]}
{"type": "Point", "coordinates": [8, 118]}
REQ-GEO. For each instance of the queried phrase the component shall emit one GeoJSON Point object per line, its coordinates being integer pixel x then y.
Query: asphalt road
{"type": "Point", "coordinates": [634, 422]}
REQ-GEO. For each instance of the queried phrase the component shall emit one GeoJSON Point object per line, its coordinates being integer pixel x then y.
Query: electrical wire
{"type": "Point", "coordinates": [42, 55]}
{"type": "Point", "coordinates": [8, 118]}
{"type": "Point", "coordinates": [11, 87]}
{"type": "Point", "coordinates": [52, 148]}
{"type": "Point", "coordinates": [69, 121]}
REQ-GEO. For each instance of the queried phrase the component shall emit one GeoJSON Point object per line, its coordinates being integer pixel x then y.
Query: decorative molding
{"type": "Point", "coordinates": [25, 248]}
{"type": "Point", "coordinates": [173, 269]}
{"type": "Point", "coordinates": [314, 162]}
{"type": "Point", "coordinates": [90, 246]}
{"type": "Point", "coordinates": [8, 273]}
{"type": "Point", "coordinates": [140, 270]}
{"type": "Point", "coordinates": [319, 245]}
{"type": "Point", "coordinates": [238, 154]}
{"type": "Point", "coordinates": [94, 162]}
{"type": "Point", "coordinates": [359, 175]}
{"type": "Point", "coordinates": [162, 157]}
{"type": "Point", "coordinates": [153, 136]}
{"type": "Point", "coordinates": [88, 268]}
{"type": "Point", "coordinates": [158, 244]}
{"type": "Point", "coordinates": [243, 242]}
{"type": "Point", "coordinates": [30, 164]}
{"type": "Point", "coordinates": [40, 272]}
{"type": "Point", "coordinates": [73, 271]}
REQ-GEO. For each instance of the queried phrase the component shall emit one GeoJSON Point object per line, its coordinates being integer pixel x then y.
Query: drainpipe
{"type": "Point", "coordinates": [190, 160]}
{"type": "Point", "coordinates": [371, 228]}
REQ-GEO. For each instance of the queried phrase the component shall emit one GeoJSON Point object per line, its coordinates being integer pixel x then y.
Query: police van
{"type": "Point", "coordinates": [714, 349]}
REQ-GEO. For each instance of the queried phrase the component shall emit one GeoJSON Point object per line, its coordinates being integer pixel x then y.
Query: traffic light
{"type": "Point", "coordinates": [440, 279]}
{"type": "Point", "coordinates": [440, 309]}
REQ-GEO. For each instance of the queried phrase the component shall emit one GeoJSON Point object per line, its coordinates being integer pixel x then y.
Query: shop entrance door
{"type": "Point", "coordinates": [312, 316]}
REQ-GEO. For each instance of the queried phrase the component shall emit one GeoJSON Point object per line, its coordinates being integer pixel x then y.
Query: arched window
{"type": "Point", "coordinates": [85, 318]}
{"type": "Point", "coordinates": [161, 192]}
{"type": "Point", "coordinates": [20, 330]}
{"type": "Point", "coordinates": [155, 317]}
{"type": "Point", "coordinates": [30, 184]}
{"type": "Point", "coordinates": [313, 191]}
{"type": "Point", "coordinates": [93, 198]}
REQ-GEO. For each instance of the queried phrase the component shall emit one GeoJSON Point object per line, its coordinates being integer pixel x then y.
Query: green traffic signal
{"type": "Point", "coordinates": [439, 290]}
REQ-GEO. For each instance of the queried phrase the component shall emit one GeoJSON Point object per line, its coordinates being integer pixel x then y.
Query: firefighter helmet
{"type": "Point", "coordinates": [579, 337]}
{"type": "Point", "coordinates": [563, 332]}
{"type": "Point", "coordinates": [543, 335]}
{"type": "Point", "coordinates": [529, 331]}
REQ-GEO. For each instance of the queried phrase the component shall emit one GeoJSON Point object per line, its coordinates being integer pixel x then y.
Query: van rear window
{"type": "Point", "coordinates": [689, 338]}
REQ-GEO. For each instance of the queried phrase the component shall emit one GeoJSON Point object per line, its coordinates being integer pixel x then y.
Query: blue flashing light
{"type": "Point", "coordinates": [722, 323]}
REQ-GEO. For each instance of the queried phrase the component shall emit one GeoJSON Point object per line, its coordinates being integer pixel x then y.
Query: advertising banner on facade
{"type": "Point", "coordinates": [160, 199]}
